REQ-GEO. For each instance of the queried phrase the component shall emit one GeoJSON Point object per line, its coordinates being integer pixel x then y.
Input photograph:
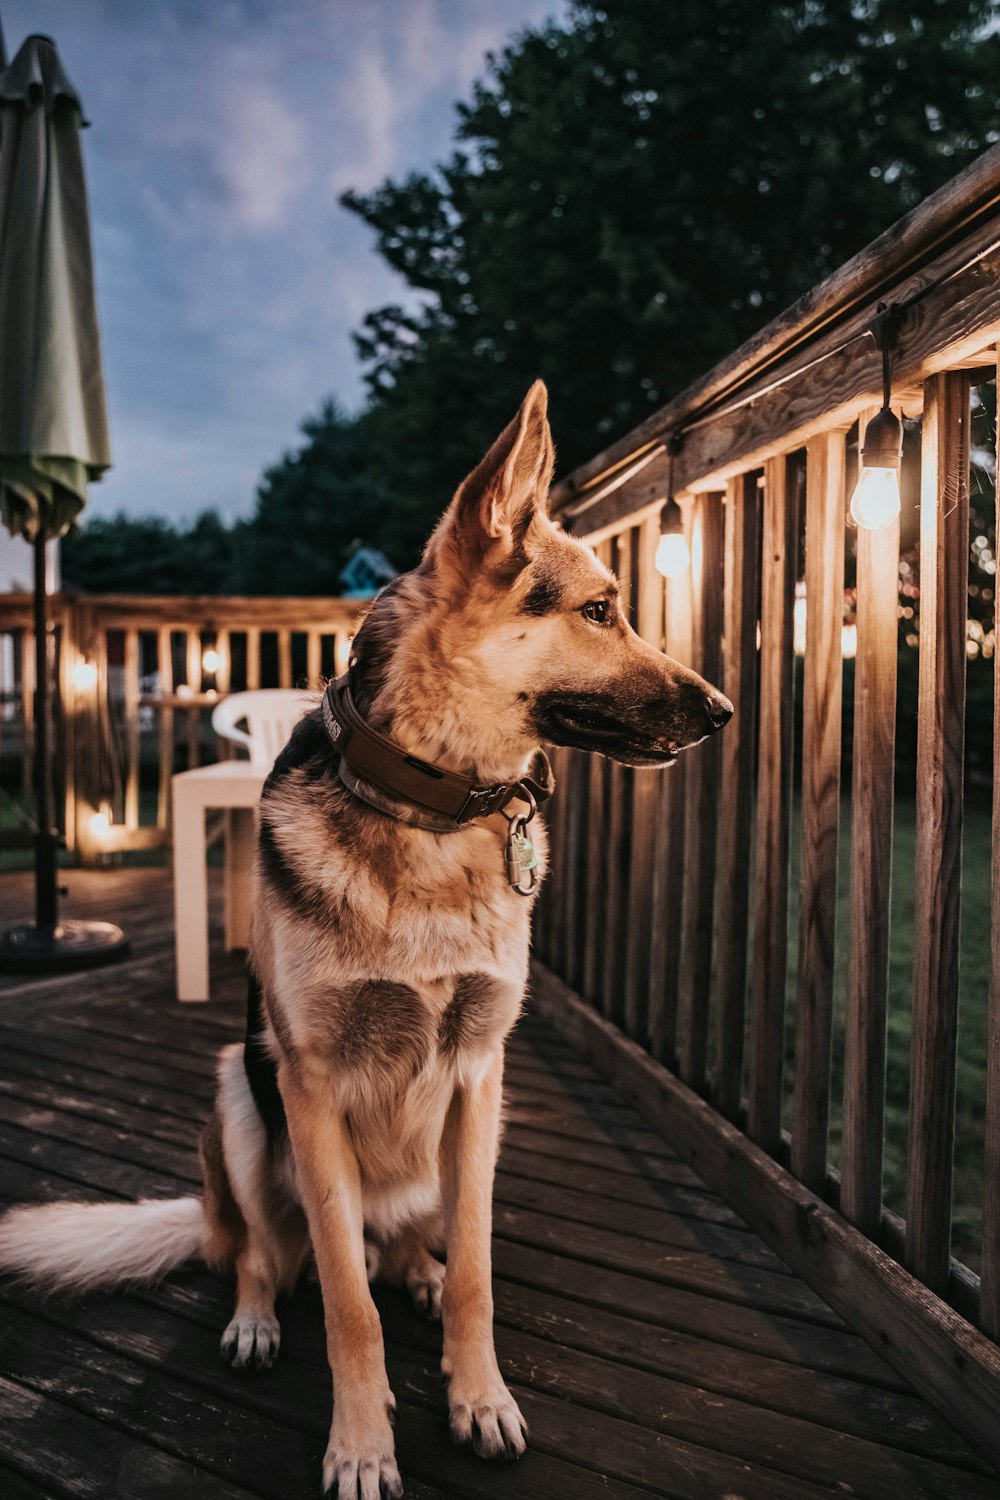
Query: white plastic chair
{"type": "Point", "coordinates": [270, 714]}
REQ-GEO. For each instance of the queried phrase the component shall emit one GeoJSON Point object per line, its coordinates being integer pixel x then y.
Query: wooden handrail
{"type": "Point", "coordinates": [946, 229]}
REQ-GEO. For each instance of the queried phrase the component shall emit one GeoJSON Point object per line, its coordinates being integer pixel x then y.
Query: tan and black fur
{"type": "Point", "coordinates": [391, 964]}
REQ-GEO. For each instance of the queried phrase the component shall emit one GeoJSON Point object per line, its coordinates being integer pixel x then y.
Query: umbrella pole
{"type": "Point", "coordinates": [47, 840]}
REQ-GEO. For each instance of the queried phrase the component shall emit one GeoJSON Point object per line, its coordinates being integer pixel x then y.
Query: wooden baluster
{"type": "Point", "coordinates": [707, 565]}
{"type": "Point", "coordinates": [767, 980]}
{"type": "Point", "coordinates": [821, 713]}
{"type": "Point", "coordinates": [649, 607]}
{"type": "Point", "coordinates": [26, 641]}
{"type": "Point", "coordinates": [577, 776]}
{"type": "Point", "coordinates": [556, 921]}
{"type": "Point", "coordinates": [990, 1288]}
{"type": "Point", "coordinates": [944, 570]}
{"type": "Point", "coordinates": [224, 648]}
{"type": "Point", "coordinates": [668, 882]}
{"type": "Point", "coordinates": [253, 658]}
{"type": "Point", "coordinates": [69, 655]}
{"type": "Point", "coordinates": [194, 683]}
{"type": "Point", "coordinates": [314, 671]}
{"type": "Point", "coordinates": [732, 901]}
{"type": "Point", "coordinates": [165, 672]}
{"type": "Point", "coordinates": [872, 777]}
{"type": "Point", "coordinates": [284, 658]}
{"type": "Point", "coordinates": [619, 829]}
{"type": "Point", "coordinates": [132, 740]}
{"type": "Point", "coordinates": [597, 776]}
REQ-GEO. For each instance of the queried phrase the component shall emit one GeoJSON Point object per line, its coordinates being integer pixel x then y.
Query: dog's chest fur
{"type": "Point", "coordinates": [393, 960]}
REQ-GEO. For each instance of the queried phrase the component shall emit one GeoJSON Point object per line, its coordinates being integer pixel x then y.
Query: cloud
{"type": "Point", "coordinates": [229, 277]}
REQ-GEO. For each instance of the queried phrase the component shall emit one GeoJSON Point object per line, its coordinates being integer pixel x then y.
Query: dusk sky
{"type": "Point", "coordinates": [228, 276]}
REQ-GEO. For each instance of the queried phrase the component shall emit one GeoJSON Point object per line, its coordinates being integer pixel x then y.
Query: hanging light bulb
{"type": "Point", "coordinates": [673, 556]}
{"type": "Point", "coordinates": [875, 501]}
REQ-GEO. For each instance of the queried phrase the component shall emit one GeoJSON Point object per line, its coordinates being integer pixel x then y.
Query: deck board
{"type": "Point", "coordinates": [656, 1345]}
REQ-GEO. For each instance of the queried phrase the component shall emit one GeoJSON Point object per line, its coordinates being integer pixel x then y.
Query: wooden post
{"type": "Point", "coordinates": [698, 897]}
{"type": "Point", "coordinates": [989, 1311]}
{"type": "Point", "coordinates": [872, 776]}
{"type": "Point", "coordinates": [767, 984]}
{"type": "Point", "coordinates": [732, 904]}
{"type": "Point", "coordinates": [821, 709]}
{"type": "Point", "coordinates": [944, 579]}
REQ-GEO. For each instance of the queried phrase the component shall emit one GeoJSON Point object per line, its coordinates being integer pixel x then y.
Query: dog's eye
{"type": "Point", "coordinates": [598, 610]}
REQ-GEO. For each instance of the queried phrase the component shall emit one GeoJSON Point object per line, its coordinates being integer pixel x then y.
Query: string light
{"type": "Point", "coordinates": [673, 555]}
{"type": "Point", "coordinates": [211, 661]}
{"type": "Point", "coordinates": [84, 676]}
{"type": "Point", "coordinates": [875, 502]}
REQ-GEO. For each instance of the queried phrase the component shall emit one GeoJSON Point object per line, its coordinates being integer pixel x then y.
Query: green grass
{"type": "Point", "coordinates": [974, 980]}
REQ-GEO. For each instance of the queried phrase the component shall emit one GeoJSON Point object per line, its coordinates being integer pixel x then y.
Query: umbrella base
{"type": "Point", "coordinates": [27, 949]}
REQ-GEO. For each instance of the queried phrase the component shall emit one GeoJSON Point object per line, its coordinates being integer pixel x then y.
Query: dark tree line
{"type": "Point", "coordinates": [633, 191]}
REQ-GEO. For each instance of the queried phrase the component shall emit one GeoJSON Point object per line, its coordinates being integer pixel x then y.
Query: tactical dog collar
{"type": "Point", "coordinates": [441, 800]}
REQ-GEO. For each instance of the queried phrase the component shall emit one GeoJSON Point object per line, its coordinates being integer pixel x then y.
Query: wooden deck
{"type": "Point", "coordinates": [657, 1347]}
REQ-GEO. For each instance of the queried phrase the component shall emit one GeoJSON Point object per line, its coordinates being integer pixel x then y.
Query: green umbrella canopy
{"type": "Point", "coordinates": [53, 415]}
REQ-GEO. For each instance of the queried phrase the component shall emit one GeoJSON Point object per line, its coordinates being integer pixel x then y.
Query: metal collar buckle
{"type": "Point", "coordinates": [481, 801]}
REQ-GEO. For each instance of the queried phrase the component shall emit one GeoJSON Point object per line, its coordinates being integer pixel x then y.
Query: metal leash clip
{"type": "Point", "coordinates": [520, 859]}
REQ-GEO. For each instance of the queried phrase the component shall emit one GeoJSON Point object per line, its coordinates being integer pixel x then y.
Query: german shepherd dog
{"type": "Point", "coordinates": [361, 1119]}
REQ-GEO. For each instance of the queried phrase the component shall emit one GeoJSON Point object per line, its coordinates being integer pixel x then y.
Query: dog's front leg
{"type": "Point", "coordinates": [360, 1463]}
{"type": "Point", "coordinates": [482, 1410]}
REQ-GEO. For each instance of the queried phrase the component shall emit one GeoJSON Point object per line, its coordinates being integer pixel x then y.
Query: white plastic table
{"type": "Point", "coordinates": [235, 785]}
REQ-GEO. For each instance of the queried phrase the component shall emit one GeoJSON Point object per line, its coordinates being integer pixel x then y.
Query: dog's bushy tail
{"type": "Point", "coordinates": [81, 1246]}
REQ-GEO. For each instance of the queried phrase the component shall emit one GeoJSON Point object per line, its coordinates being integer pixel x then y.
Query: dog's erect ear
{"type": "Point", "coordinates": [496, 503]}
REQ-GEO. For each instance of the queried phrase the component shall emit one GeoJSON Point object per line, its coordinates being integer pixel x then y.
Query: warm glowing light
{"type": "Point", "coordinates": [849, 640]}
{"type": "Point", "coordinates": [84, 676]}
{"type": "Point", "coordinates": [211, 661]}
{"type": "Point", "coordinates": [342, 653]}
{"type": "Point", "coordinates": [185, 690]}
{"type": "Point", "coordinates": [673, 556]}
{"type": "Point", "coordinates": [875, 501]}
{"type": "Point", "coordinates": [100, 825]}
{"type": "Point", "coordinates": [799, 620]}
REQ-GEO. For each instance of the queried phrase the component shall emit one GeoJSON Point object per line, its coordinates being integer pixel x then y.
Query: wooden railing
{"type": "Point", "coordinates": [136, 681]}
{"type": "Point", "coordinates": [675, 944]}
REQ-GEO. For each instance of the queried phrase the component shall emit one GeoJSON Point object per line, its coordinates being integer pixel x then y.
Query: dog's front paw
{"type": "Point", "coordinates": [251, 1342]}
{"type": "Point", "coordinates": [489, 1423]}
{"type": "Point", "coordinates": [361, 1465]}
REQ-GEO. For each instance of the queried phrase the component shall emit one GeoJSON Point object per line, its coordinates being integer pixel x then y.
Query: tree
{"type": "Point", "coordinates": [147, 555]}
{"type": "Point", "coordinates": [311, 506]}
{"type": "Point", "coordinates": [640, 187]}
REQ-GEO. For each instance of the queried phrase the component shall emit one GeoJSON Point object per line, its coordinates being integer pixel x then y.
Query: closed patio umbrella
{"type": "Point", "coordinates": [53, 417]}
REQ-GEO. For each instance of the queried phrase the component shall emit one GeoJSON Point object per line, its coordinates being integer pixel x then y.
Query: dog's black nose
{"type": "Point", "coordinates": [720, 710]}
